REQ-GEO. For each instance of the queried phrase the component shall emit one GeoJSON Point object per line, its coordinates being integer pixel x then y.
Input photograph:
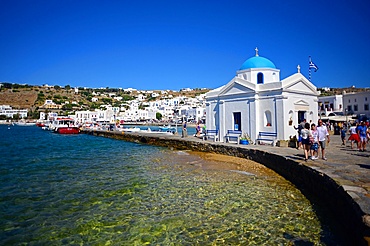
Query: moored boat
{"type": "Point", "coordinates": [68, 130]}
{"type": "Point", "coordinates": [168, 128]}
{"type": "Point", "coordinates": [63, 125]}
{"type": "Point", "coordinates": [24, 123]}
{"type": "Point", "coordinates": [40, 124]}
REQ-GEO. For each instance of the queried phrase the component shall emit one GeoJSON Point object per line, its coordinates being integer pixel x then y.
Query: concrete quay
{"type": "Point", "coordinates": [341, 184]}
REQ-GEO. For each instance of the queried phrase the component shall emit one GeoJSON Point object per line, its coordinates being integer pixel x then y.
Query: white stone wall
{"type": "Point", "coordinates": [360, 99]}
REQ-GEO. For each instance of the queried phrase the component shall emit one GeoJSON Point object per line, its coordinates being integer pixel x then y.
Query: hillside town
{"type": "Point", "coordinates": [166, 105]}
{"type": "Point", "coordinates": [111, 105]}
{"type": "Point", "coordinates": [255, 103]}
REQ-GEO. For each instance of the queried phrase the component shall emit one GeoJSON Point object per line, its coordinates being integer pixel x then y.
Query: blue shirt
{"type": "Point", "coordinates": [362, 131]}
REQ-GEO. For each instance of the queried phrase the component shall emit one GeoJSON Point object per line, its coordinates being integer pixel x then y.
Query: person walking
{"type": "Point", "coordinates": [315, 143]}
{"type": "Point", "coordinates": [305, 135]}
{"type": "Point", "coordinates": [184, 130]}
{"type": "Point", "coordinates": [354, 137]}
{"type": "Point", "coordinates": [299, 129]}
{"type": "Point", "coordinates": [323, 136]}
{"type": "Point", "coordinates": [198, 129]}
{"type": "Point", "coordinates": [361, 131]}
{"type": "Point", "coordinates": [343, 131]}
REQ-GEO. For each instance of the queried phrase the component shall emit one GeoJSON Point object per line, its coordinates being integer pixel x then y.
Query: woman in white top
{"type": "Point", "coordinates": [315, 143]}
{"type": "Point", "coordinates": [306, 134]}
{"type": "Point", "coordinates": [354, 137]}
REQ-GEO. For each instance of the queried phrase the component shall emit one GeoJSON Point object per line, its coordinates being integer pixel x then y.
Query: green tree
{"type": "Point", "coordinates": [107, 100]}
{"type": "Point", "coordinates": [158, 116]}
{"type": "Point", "coordinates": [34, 114]}
{"type": "Point", "coordinates": [16, 116]}
{"type": "Point", "coordinates": [94, 106]}
{"type": "Point", "coordinates": [127, 98]}
{"type": "Point", "coordinates": [67, 106]}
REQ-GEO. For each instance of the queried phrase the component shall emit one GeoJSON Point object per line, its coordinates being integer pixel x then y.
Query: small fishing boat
{"type": "Point", "coordinates": [168, 128]}
{"type": "Point", "coordinates": [24, 123]}
{"type": "Point", "coordinates": [40, 124]}
{"type": "Point", "coordinates": [63, 125]}
{"type": "Point", "coordinates": [131, 129]}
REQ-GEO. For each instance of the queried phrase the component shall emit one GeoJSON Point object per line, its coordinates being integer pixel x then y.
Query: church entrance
{"type": "Point", "coordinates": [237, 121]}
{"type": "Point", "coordinates": [301, 116]}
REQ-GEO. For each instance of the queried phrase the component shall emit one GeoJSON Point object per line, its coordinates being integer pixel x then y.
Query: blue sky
{"type": "Point", "coordinates": [178, 44]}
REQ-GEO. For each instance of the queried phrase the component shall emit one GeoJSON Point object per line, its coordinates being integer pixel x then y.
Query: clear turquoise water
{"type": "Point", "coordinates": [61, 189]}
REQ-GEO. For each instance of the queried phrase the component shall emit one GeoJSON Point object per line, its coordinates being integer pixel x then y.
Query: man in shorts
{"type": "Point", "coordinates": [361, 130]}
{"type": "Point", "coordinates": [323, 134]}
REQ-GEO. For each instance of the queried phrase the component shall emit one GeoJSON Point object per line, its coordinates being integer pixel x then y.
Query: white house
{"type": "Point", "coordinates": [330, 104]}
{"type": "Point", "coordinates": [357, 103]}
{"type": "Point", "coordinates": [256, 100]}
{"type": "Point", "coordinates": [8, 111]}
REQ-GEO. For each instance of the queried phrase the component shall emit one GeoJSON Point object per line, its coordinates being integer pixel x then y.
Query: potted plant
{"type": "Point", "coordinates": [245, 139]}
{"type": "Point", "coordinates": [290, 121]}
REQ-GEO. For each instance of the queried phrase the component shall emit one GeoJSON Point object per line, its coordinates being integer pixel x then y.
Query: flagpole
{"type": "Point", "coordinates": [309, 68]}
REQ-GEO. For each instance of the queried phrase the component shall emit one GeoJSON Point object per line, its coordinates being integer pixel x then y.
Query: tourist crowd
{"type": "Point", "coordinates": [313, 139]}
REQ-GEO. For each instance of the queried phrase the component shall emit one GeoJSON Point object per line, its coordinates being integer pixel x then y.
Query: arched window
{"type": "Point", "coordinates": [260, 78]}
{"type": "Point", "coordinates": [268, 118]}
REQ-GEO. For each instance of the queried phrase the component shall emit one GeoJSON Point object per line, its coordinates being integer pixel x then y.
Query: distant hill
{"type": "Point", "coordinates": [22, 99]}
{"type": "Point", "coordinates": [33, 97]}
{"type": "Point", "coordinates": [340, 91]}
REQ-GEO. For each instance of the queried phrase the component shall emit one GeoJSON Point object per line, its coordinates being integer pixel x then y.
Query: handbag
{"type": "Point", "coordinates": [312, 140]}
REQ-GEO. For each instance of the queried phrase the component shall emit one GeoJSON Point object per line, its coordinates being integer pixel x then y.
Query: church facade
{"type": "Point", "coordinates": [256, 100]}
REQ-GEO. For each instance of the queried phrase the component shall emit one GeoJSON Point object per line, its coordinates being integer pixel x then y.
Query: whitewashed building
{"type": "Point", "coordinates": [256, 100]}
{"type": "Point", "coordinates": [329, 105]}
{"type": "Point", "coordinates": [8, 111]}
{"type": "Point", "coordinates": [357, 103]}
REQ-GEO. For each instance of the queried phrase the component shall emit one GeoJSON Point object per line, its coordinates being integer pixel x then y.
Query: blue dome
{"type": "Point", "coordinates": [257, 62]}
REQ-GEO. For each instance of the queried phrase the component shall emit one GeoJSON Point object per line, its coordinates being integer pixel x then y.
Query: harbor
{"type": "Point", "coordinates": [341, 184]}
{"type": "Point", "coordinates": [77, 189]}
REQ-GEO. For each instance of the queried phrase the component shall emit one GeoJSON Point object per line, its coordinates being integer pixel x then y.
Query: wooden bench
{"type": "Point", "coordinates": [233, 134]}
{"type": "Point", "coordinates": [266, 136]}
{"type": "Point", "coordinates": [211, 134]}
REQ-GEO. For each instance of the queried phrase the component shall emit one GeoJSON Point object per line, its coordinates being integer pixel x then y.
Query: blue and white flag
{"type": "Point", "coordinates": [312, 65]}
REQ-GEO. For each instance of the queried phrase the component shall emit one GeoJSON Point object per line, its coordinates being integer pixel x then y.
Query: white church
{"type": "Point", "coordinates": [257, 101]}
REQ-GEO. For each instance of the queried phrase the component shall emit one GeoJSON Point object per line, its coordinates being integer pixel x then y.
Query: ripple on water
{"type": "Point", "coordinates": [131, 194]}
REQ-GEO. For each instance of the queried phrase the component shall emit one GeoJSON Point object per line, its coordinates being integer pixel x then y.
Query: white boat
{"type": "Point", "coordinates": [131, 129]}
{"type": "Point", "coordinates": [160, 131]}
{"type": "Point", "coordinates": [23, 123]}
{"type": "Point", "coordinates": [167, 128]}
{"type": "Point", "coordinates": [64, 125]}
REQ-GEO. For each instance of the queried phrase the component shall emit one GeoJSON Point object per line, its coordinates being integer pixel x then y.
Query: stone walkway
{"type": "Point", "coordinates": [348, 167]}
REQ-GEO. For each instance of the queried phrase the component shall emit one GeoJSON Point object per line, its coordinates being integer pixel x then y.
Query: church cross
{"type": "Point", "coordinates": [256, 49]}
{"type": "Point", "coordinates": [299, 69]}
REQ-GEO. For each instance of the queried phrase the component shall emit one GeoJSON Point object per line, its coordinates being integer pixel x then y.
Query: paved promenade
{"type": "Point", "coordinates": [348, 167]}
